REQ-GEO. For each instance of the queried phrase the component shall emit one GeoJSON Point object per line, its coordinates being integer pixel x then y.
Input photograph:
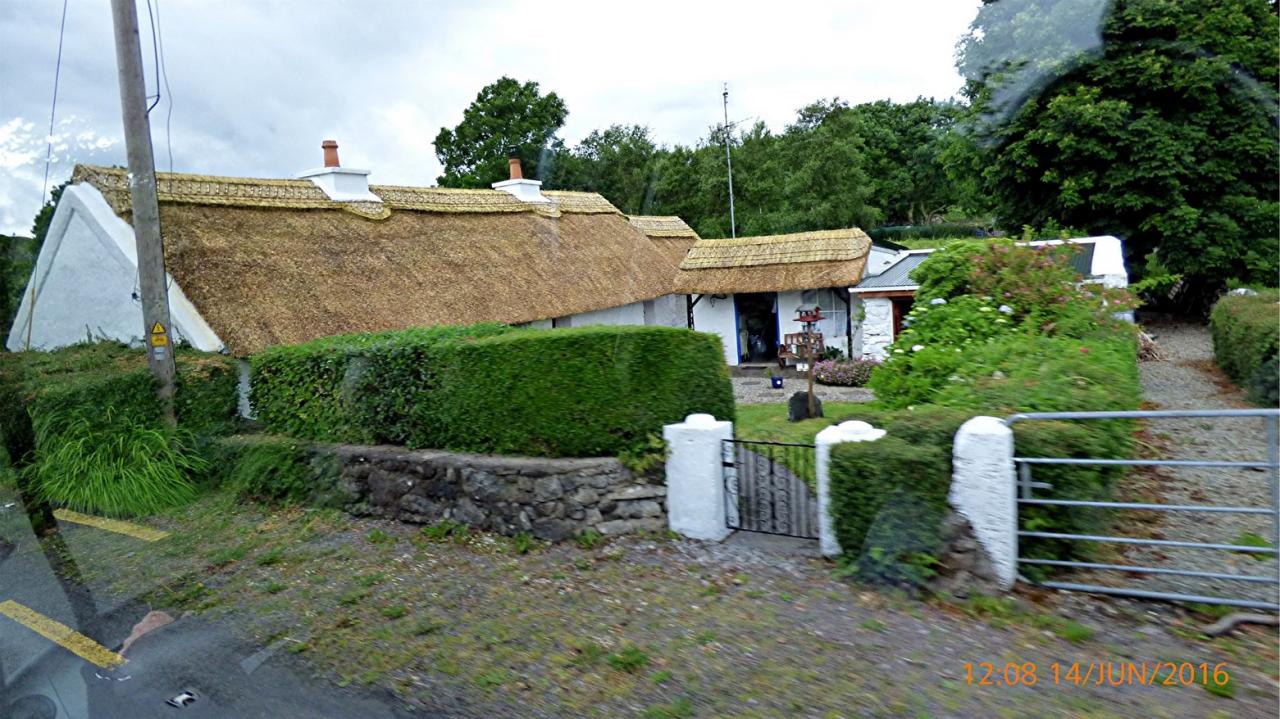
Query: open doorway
{"type": "Point", "coordinates": [757, 326]}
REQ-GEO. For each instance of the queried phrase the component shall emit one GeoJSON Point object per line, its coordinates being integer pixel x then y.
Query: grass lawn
{"type": "Point", "coordinates": [769, 421]}
{"type": "Point", "coordinates": [472, 624]}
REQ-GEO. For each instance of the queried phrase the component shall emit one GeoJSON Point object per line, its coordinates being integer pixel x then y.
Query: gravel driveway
{"type": "Point", "coordinates": [757, 390]}
{"type": "Point", "coordinates": [1188, 380]}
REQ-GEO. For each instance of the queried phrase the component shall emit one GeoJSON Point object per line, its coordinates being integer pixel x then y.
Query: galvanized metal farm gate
{"type": "Point", "coordinates": [766, 488]}
{"type": "Point", "coordinates": [1033, 493]}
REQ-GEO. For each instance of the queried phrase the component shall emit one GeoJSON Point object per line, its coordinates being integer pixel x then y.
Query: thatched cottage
{"type": "Point", "coordinates": [258, 262]}
{"type": "Point", "coordinates": [748, 289]}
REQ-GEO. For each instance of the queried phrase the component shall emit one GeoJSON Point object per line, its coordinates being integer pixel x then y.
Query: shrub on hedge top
{"type": "Point", "coordinates": [581, 392]}
{"type": "Point", "coordinates": [349, 388]}
{"type": "Point", "coordinates": [1246, 336]}
{"type": "Point", "coordinates": [844, 373]}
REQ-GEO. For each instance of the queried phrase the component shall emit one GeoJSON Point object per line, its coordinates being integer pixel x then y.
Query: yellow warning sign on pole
{"type": "Point", "coordinates": [159, 337]}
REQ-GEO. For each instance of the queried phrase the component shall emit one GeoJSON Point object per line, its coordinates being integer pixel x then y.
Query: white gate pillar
{"type": "Point", "coordinates": [984, 492]}
{"type": "Point", "coordinates": [833, 435]}
{"type": "Point", "coordinates": [695, 477]}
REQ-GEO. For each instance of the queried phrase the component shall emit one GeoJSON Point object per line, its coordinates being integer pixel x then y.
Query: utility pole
{"type": "Point", "coordinates": [146, 206]}
{"type": "Point", "coordinates": [733, 225]}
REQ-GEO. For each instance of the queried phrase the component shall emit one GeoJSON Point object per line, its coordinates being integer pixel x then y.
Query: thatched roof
{"type": "Point", "coordinates": [275, 261]}
{"type": "Point", "coordinates": [670, 235]}
{"type": "Point", "coordinates": [775, 263]}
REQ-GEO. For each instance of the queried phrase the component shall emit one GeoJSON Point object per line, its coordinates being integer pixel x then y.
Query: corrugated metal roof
{"type": "Point", "coordinates": [896, 275]}
{"type": "Point", "coordinates": [1082, 261]}
{"type": "Point", "coordinates": [899, 273]}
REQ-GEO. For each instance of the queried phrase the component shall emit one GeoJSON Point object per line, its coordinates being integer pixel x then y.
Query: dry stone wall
{"type": "Point", "coordinates": [552, 499]}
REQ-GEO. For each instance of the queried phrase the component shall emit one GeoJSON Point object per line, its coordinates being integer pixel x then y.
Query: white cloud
{"type": "Point", "coordinates": [256, 86]}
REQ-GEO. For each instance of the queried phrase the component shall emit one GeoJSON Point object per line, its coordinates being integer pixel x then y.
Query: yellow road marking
{"type": "Point", "coordinates": [62, 635]}
{"type": "Point", "coordinates": [111, 525]}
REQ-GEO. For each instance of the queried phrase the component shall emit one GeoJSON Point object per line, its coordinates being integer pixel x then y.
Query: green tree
{"type": "Point", "coordinates": [1151, 119]}
{"type": "Point", "coordinates": [903, 146]}
{"type": "Point", "coordinates": [617, 162]}
{"type": "Point", "coordinates": [505, 115]}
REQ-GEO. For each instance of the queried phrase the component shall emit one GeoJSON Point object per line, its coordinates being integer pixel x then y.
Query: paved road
{"type": "Point", "coordinates": [41, 678]}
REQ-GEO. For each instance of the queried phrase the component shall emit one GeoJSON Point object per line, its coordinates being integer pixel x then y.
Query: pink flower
{"type": "Point", "coordinates": [1084, 350]}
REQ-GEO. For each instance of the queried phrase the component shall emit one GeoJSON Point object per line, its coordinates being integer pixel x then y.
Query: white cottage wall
{"type": "Point", "coordinates": [716, 314]}
{"type": "Point", "coordinates": [84, 280]}
{"type": "Point", "coordinates": [632, 314]}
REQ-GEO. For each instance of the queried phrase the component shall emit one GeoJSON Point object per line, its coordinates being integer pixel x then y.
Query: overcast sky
{"type": "Point", "coordinates": [255, 86]}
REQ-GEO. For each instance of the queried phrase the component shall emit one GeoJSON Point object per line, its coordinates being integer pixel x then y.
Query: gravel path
{"type": "Point", "coordinates": [1188, 380]}
{"type": "Point", "coordinates": [757, 390]}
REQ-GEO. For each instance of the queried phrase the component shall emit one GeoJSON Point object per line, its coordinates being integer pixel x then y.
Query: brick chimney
{"type": "Point", "coordinates": [330, 148]}
{"type": "Point", "coordinates": [524, 190]}
{"type": "Point", "coordinates": [342, 184]}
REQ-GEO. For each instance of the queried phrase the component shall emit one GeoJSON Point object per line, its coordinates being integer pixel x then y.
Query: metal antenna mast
{"type": "Point", "coordinates": [733, 225]}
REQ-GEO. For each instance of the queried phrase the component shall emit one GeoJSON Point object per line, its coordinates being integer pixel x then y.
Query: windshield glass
{"type": "Point", "coordinates": [550, 360]}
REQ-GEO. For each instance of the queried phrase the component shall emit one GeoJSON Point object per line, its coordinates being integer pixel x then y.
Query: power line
{"type": "Point", "coordinates": [155, 59]}
{"type": "Point", "coordinates": [53, 106]}
{"type": "Point", "coordinates": [164, 72]}
{"type": "Point", "coordinates": [48, 160]}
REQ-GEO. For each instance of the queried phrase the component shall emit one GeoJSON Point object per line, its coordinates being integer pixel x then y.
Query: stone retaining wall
{"type": "Point", "coordinates": [552, 499]}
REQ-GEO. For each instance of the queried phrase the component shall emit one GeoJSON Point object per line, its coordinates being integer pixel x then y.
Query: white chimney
{"type": "Point", "coordinates": [524, 190]}
{"type": "Point", "coordinates": [342, 184]}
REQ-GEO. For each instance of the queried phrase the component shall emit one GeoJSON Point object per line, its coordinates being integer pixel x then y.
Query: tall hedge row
{"type": "Point", "coordinates": [490, 388]}
{"type": "Point", "coordinates": [572, 392]}
{"type": "Point", "coordinates": [1246, 341]}
{"type": "Point", "coordinates": [349, 388]}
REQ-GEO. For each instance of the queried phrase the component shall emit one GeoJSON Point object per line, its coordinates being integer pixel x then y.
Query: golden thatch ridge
{"type": "Point", "coordinates": [662, 226]}
{"type": "Point", "coordinates": [113, 183]}
{"type": "Point", "coordinates": [775, 263]}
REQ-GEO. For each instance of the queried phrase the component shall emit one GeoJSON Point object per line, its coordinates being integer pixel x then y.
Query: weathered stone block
{"type": "Point", "coordinates": [638, 491]}
{"type": "Point", "coordinates": [547, 488]}
{"type": "Point", "coordinates": [554, 530]}
{"type": "Point", "coordinates": [624, 526]}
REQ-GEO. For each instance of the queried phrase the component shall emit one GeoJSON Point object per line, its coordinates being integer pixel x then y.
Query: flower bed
{"type": "Point", "coordinates": [844, 373]}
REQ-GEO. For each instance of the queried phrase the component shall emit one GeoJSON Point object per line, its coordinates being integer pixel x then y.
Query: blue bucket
{"type": "Point", "coordinates": [776, 382]}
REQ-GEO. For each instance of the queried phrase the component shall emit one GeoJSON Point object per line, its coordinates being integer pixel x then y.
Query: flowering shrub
{"type": "Point", "coordinates": [1011, 298]}
{"type": "Point", "coordinates": [851, 373]}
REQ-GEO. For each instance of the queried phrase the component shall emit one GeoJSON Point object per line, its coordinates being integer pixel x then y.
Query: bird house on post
{"type": "Point", "coordinates": [810, 317]}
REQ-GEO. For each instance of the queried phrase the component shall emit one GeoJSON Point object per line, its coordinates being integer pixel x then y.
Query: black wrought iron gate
{"type": "Point", "coordinates": [767, 488]}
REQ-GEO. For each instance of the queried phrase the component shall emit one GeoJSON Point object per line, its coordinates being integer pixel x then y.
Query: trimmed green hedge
{"type": "Point", "coordinates": [392, 378]}
{"type": "Point", "coordinates": [350, 388]}
{"type": "Point", "coordinates": [57, 408]}
{"type": "Point", "coordinates": [887, 495]}
{"type": "Point", "coordinates": [1246, 340]}
{"type": "Point", "coordinates": [572, 392]}
{"type": "Point", "coordinates": [491, 388]}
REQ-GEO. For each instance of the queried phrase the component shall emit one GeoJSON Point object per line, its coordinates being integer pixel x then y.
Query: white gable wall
{"type": "Point", "coordinates": [84, 280]}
